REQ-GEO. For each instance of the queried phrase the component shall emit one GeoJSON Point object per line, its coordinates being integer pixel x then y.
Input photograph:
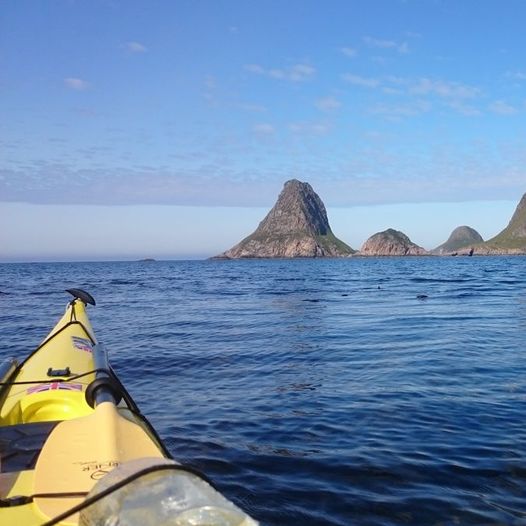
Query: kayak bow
{"type": "Point", "coordinates": [76, 450]}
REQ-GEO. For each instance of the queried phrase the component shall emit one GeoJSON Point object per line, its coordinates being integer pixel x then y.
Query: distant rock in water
{"type": "Point", "coordinates": [391, 243]}
{"type": "Point", "coordinates": [461, 237]}
{"type": "Point", "coordinates": [297, 226]}
{"type": "Point", "coordinates": [512, 240]}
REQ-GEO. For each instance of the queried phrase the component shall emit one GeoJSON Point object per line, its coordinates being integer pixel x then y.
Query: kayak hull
{"type": "Point", "coordinates": [54, 446]}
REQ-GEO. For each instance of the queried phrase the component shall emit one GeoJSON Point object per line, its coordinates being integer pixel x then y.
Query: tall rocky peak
{"type": "Point", "coordinates": [391, 242]}
{"type": "Point", "coordinates": [297, 226]}
{"type": "Point", "coordinates": [461, 237]}
{"type": "Point", "coordinates": [298, 209]}
{"type": "Point", "coordinates": [513, 238]}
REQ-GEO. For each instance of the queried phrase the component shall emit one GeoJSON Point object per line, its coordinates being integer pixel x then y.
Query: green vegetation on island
{"type": "Point", "coordinates": [513, 237]}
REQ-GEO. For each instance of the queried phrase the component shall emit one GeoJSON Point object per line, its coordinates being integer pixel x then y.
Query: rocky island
{"type": "Point", "coordinates": [391, 242]}
{"type": "Point", "coordinates": [297, 226]}
{"type": "Point", "coordinates": [463, 237]}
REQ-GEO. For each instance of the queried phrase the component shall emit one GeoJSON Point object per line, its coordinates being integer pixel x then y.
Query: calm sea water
{"type": "Point", "coordinates": [316, 392]}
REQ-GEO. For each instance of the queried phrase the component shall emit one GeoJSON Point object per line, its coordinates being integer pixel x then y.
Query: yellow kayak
{"type": "Point", "coordinates": [76, 450]}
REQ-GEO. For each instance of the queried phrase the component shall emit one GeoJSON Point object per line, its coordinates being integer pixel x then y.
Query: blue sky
{"type": "Point", "coordinates": [167, 128]}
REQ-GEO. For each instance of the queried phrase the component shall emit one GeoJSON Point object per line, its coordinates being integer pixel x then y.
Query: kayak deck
{"type": "Point", "coordinates": [54, 444]}
{"type": "Point", "coordinates": [50, 384]}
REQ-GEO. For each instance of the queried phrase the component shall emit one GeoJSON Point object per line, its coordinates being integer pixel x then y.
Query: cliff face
{"type": "Point", "coordinates": [297, 226]}
{"type": "Point", "coordinates": [391, 243]}
{"type": "Point", "coordinates": [461, 237]}
{"type": "Point", "coordinates": [512, 240]}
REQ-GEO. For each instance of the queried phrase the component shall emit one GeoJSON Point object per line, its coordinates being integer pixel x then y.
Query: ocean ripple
{"type": "Point", "coordinates": [317, 392]}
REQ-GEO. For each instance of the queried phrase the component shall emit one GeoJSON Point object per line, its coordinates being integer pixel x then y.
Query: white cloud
{"type": "Point", "coordinates": [264, 129]}
{"type": "Point", "coordinates": [502, 108]}
{"type": "Point", "coordinates": [464, 109]}
{"type": "Point", "coordinates": [210, 85]}
{"type": "Point", "coordinates": [76, 84]}
{"type": "Point", "coordinates": [309, 128]}
{"type": "Point", "coordinates": [401, 47]}
{"type": "Point", "coordinates": [349, 52]}
{"type": "Point", "coordinates": [255, 68]}
{"type": "Point", "coordinates": [393, 79]}
{"type": "Point", "coordinates": [295, 73]}
{"type": "Point", "coordinates": [451, 171]}
{"type": "Point", "coordinates": [441, 88]}
{"type": "Point", "coordinates": [328, 104]}
{"type": "Point", "coordinates": [375, 42]}
{"type": "Point", "coordinates": [455, 95]}
{"type": "Point", "coordinates": [256, 108]}
{"type": "Point", "coordinates": [276, 73]}
{"type": "Point", "coordinates": [392, 91]}
{"type": "Point", "coordinates": [357, 80]}
{"type": "Point", "coordinates": [396, 111]}
{"type": "Point", "coordinates": [210, 82]}
{"type": "Point", "coordinates": [136, 47]}
{"type": "Point", "coordinates": [300, 72]}
{"type": "Point", "coordinates": [516, 75]}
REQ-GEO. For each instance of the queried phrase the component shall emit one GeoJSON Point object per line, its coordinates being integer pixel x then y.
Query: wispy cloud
{"type": "Point", "coordinates": [501, 107]}
{"type": "Point", "coordinates": [396, 111]}
{"type": "Point", "coordinates": [255, 68]}
{"type": "Point", "coordinates": [76, 84]}
{"type": "Point", "coordinates": [389, 90]}
{"type": "Point", "coordinates": [413, 34]}
{"type": "Point", "coordinates": [454, 95]}
{"type": "Point", "coordinates": [210, 82]}
{"type": "Point", "coordinates": [349, 52]}
{"type": "Point", "coordinates": [446, 89]}
{"type": "Point", "coordinates": [255, 108]}
{"type": "Point", "coordinates": [210, 86]}
{"type": "Point", "coordinates": [328, 104]}
{"type": "Point", "coordinates": [362, 175]}
{"type": "Point", "coordinates": [53, 183]}
{"type": "Point", "coordinates": [309, 128]}
{"type": "Point", "coordinates": [357, 80]}
{"type": "Point", "coordinates": [136, 47]}
{"type": "Point", "coordinates": [401, 47]}
{"type": "Point", "coordinates": [295, 73]}
{"type": "Point", "coordinates": [463, 108]}
{"type": "Point", "coordinates": [264, 128]}
{"type": "Point", "coordinates": [516, 75]}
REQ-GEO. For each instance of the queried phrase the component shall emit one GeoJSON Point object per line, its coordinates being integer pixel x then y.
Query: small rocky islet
{"type": "Point", "coordinates": [297, 226]}
{"type": "Point", "coordinates": [460, 238]}
{"type": "Point", "coordinates": [391, 242]}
